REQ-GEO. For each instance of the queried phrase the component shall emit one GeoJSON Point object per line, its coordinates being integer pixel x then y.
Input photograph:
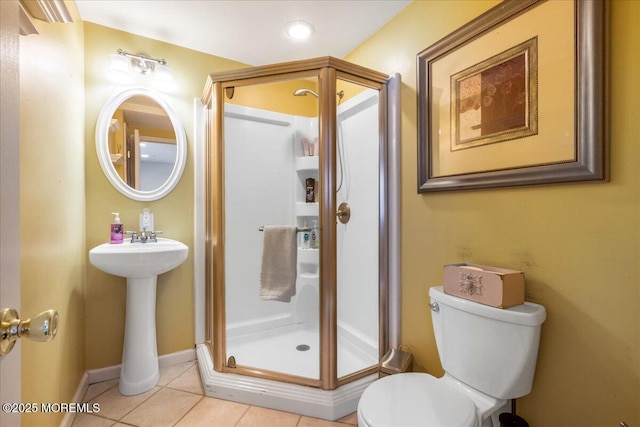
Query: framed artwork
{"type": "Point", "coordinates": [515, 97]}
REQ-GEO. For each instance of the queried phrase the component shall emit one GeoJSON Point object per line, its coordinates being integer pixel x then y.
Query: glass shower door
{"type": "Point", "coordinates": [357, 177]}
{"type": "Point", "coordinates": [269, 136]}
{"type": "Point", "coordinates": [291, 144]}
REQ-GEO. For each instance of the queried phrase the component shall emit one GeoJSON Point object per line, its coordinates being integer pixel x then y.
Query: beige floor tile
{"type": "Point", "coordinates": [262, 417]}
{"type": "Point", "coordinates": [163, 409]}
{"type": "Point", "coordinates": [113, 405]}
{"type": "Point", "coordinates": [350, 419]}
{"type": "Point", "coordinates": [88, 420]}
{"type": "Point", "coordinates": [210, 412]}
{"type": "Point", "coordinates": [94, 390]}
{"type": "Point", "coordinates": [170, 373]}
{"type": "Point", "coordinates": [316, 422]}
{"type": "Point", "coordinates": [189, 381]}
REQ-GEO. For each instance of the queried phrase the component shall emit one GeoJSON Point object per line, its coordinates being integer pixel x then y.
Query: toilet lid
{"type": "Point", "coordinates": [415, 400]}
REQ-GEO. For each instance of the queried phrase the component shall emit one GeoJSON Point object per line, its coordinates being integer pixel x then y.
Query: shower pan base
{"type": "Point", "coordinates": [280, 348]}
{"type": "Point", "coordinates": [312, 402]}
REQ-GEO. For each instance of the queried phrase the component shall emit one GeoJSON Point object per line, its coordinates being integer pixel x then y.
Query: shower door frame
{"type": "Point", "coordinates": [327, 70]}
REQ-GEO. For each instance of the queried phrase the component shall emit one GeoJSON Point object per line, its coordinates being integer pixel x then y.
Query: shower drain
{"type": "Point", "coordinates": [302, 347]}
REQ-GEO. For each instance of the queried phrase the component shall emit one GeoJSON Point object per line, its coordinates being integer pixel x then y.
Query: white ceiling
{"type": "Point", "coordinates": [247, 31]}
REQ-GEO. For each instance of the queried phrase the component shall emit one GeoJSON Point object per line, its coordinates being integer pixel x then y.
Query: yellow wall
{"type": "Point", "coordinates": [52, 206]}
{"type": "Point", "coordinates": [577, 243]}
{"type": "Point", "coordinates": [278, 97]}
{"type": "Point", "coordinates": [105, 295]}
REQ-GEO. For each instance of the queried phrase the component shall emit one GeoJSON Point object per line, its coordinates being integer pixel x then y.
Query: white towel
{"type": "Point", "coordinates": [279, 263]}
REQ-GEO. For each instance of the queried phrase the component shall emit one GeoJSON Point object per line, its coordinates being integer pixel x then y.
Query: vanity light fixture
{"type": "Point", "coordinates": [140, 63]}
{"type": "Point", "coordinates": [299, 30]}
{"type": "Point", "coordinates": [123, 63]}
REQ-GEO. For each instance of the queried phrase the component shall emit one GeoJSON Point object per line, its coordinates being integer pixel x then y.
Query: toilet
{"type": "Point", "coordinates": [488, 355]}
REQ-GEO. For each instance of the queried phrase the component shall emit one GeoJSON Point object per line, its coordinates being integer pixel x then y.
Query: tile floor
{"type": "Point", "coordinates": [178, 400]}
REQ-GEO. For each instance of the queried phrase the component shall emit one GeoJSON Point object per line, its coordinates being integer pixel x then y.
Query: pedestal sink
{"type": "Point", "coordinates": [140, 263]}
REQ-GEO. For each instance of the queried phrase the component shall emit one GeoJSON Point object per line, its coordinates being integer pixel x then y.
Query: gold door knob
{"type": "Point", "coordinates": [42, 328]}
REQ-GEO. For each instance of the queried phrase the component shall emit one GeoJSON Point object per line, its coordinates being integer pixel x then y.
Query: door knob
{"type": "Point", "coordinates": [42, 328]}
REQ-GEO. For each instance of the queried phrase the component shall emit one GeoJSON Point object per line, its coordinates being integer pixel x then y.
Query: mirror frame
{"type": "Point", "coordinates": [104, 157]}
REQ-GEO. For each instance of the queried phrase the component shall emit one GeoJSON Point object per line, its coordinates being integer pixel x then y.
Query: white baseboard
{"type": "Point", "coordinates": [113, 372]}
{"type": "Point", "coordinates": [69, 417]}
{"type": "Point", "coordinates": [93, 376]}
{"type": "Point", "coordinates": [178, 357]}
{"type": "Point", "coordinates": [103, 374]}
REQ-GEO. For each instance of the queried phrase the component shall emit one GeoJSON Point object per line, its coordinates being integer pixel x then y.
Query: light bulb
{"type": "Point", "coordinates": [119, 69]}
{"type": "Point", "coordinates": [163, 77]}
{"type": "Point", "coordinates": [299, 30]}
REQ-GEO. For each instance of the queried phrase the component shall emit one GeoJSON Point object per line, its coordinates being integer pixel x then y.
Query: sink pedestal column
{"type": "Point", "coordinates": [140, 372]}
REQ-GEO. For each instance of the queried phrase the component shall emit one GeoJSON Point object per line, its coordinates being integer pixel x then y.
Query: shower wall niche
{"type": "Point", "coordinates": [273, 131]}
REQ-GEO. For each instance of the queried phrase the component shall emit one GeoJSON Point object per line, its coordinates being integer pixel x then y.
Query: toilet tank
{"type": "Point", "coordinates": [491, 349]}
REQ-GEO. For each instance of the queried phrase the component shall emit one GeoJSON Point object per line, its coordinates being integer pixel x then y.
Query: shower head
{"type": "Point", "coordinates": [304, 92]}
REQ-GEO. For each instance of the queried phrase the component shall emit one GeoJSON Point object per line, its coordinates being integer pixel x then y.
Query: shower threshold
{"type": "Point", "coordinates": [310, 401]}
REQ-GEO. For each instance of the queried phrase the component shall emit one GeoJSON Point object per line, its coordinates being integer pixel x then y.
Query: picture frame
{"type": "Point", "coordinates": [518, 96]}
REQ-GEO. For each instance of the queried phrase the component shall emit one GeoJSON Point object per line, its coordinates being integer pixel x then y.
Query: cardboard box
{"type": "Point", "coordinates": [493, 286]}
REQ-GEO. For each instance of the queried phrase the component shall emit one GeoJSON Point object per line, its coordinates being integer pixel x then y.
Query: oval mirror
{"type": "Point", "coordinates": [141, 144]}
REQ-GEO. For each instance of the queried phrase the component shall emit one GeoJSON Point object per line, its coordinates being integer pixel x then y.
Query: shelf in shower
{"type": "Point", "coordinates": [306, 209]}
{"type": "Point", "coordinates": [309, 275]}
{"type": "Point", "coordinates": [307, 163]}
{"type": "Point", "coordinates": [308, 256]}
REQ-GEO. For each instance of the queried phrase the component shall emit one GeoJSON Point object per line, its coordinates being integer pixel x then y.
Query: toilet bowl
{"type": "Point", "coordinates": [489, 356]}
{"type": "Point", "coordinates": [412, 400]}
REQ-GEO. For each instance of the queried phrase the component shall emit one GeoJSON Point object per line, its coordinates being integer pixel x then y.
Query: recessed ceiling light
{"type": "Point", "coordinates": [299, 30]}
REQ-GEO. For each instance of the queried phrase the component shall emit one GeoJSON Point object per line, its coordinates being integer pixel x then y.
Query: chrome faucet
{"type": "Point", "coordinates": [146, 223]}
{"type": "Point", "coordinates": [143, 235]}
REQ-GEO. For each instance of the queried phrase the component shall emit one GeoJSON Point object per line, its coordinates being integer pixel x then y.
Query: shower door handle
{"type": "Point", "coordinates": [344, 213]}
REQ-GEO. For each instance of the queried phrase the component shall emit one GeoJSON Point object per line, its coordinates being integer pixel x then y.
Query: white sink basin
{"type": "Point", "coordinates": [139, 259]}
{"type": "Point", "coordinates": [140, 263]}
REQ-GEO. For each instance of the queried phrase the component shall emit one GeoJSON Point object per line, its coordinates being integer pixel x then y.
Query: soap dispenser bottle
{"type": "Point", "coordinates": [315, 236]}
{"type": "Point", "coordinates": [117, 229]}
{"type": "Point", "coordinates": [305, 236]}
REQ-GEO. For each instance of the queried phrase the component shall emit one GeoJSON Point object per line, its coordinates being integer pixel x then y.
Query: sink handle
{"type": "Point", "coordinates": [134, 236]}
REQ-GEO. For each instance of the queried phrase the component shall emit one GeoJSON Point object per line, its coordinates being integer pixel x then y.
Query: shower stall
{"type": "Point", "coordinates": [302, 144]}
